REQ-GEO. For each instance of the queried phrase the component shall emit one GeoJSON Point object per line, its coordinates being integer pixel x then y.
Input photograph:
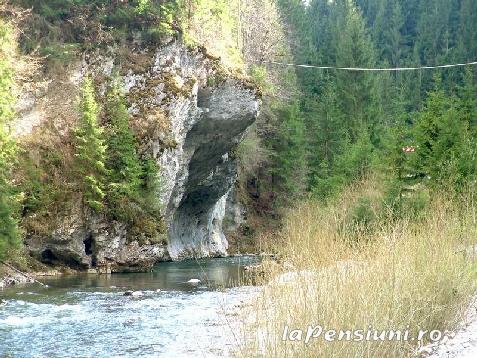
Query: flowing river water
{"type": "Point", "coordinates": [89, 315]}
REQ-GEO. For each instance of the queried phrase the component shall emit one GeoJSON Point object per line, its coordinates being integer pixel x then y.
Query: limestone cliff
{"type": "Point", "coordinates": [188, 113]}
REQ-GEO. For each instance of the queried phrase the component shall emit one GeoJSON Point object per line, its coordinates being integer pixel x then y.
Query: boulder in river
{"type": "Point", "coordinates": [133, 293]}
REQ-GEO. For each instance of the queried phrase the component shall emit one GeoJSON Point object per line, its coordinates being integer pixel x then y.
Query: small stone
{"type": "Point", "coordinates": [194, 281]}
{"type": "Point", "coordinates": [128, 293]}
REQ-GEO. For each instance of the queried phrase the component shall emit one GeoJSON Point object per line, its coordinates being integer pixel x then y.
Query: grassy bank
{"type": "Point", "coordinates": [407, 273]}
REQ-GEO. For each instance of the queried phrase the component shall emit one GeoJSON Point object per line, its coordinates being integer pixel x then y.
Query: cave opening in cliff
{"type": "Point", "coordinates": [89, 249]}
{"type": "Point", "coordinates": [89, 245]}
{"type": "Point", "coordinates": [47, 256]}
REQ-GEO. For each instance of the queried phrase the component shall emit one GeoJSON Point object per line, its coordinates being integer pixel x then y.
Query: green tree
{"type": "Point", "coordinates": [355, 90]}
{"type": "Point", "coordinates": [327, 141]}
{"type": "Point", "coordinates": [91, 149]}
{"type": "Point", "coordinates": [467, 33]}
{"type": "Point", "coordinates": [468, 100]}
{"type": "Point", "coordinates": [290, 169]}
{"type": "Point", "coordinates": [9, 237]}
{"type": "Point", "coordinates": [122, 161]}
{"type": "Point", "coordinates": [133, 184]}
{"type": "Point", "coordinates": [446, 151]}
{"type": "Point", "coordinates": [387, 31]}
{"type": "Point", "coordinates": [151, 187]}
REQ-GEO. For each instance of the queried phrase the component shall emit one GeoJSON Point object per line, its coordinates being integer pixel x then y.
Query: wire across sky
{"type": "Point", "coordinates": [363, 69]}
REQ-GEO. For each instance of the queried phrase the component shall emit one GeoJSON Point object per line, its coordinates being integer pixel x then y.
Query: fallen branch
{"type": "Point", "coordinates": [24, 274]}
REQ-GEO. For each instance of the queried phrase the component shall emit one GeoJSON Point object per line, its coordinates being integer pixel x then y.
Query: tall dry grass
{"type": "Point", "coordinates": [402, 274]}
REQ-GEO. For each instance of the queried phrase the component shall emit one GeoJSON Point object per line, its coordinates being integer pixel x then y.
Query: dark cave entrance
{"type": "Point", "coordinates": [88, 245]}
{"type": "Point", "coordinates": [89, 249]}
{"type": "Point", "coordinates": [47, 256]}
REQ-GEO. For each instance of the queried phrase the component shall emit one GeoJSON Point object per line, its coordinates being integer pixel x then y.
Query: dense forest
{"type": "Point", "coordinates": [382, 165]}
{"type": "Point", "coordinates": [344, 124]}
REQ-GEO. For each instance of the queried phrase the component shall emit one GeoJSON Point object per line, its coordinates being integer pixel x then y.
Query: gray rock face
{"type": "Point", "coordinates": [235, 212]}
{"type": "Point", "coordinates": [109, 245]}
{"type": "Point", "coordinates": [196, 220]}
{"type": "Point", "coordinates": [197, 172]}
{"type": "Point", "coordinates": [206, 125]}
{"type": "Point", "coordinates": [84, 242]}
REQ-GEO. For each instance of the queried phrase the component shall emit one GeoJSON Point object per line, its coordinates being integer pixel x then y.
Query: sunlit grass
{"type": "Point", "coordinates": [403, 274]}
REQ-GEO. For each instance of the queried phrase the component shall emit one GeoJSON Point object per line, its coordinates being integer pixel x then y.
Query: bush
{"type": "Point", "coordinates": [363, 218]}
{"type": "Point", "coordinates": [153, 36]}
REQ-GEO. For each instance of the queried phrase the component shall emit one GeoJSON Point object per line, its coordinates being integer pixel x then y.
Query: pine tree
{"type": "Point", "coordinates": [329, 139]}
{"type": "Point", "coordinates": [446, 151]}
{"type": "Point", "coordinates": [91, 150]}
{"type": "Point", "coordinates": [387, 32]}
{"type": "Point", "coordinates": [355, 90]}
{"type": "Point", "coordinates": [8, 227]}
{"type": "Point", "coordinates": [123, 161]}
{"type": "Point", "coordinates": [468, 100]}
{"type": "Point", "coordinates": [467, 33]}
{"type": "Point", "coordinates": [290, 152]}
{"type": "Point", "coordinates": [151, 187]}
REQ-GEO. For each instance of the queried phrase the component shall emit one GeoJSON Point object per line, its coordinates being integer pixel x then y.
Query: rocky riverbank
{"type": "Point", "coordinates": [9, 277]}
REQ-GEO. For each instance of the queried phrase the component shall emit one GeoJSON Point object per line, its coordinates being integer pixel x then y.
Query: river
{"type": "Point", "coordinates": [89, 315]}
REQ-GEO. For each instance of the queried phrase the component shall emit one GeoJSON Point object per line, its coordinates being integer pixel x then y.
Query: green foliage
{"type": "Point", "coordinates": [143, 6]}
{"type": "Point", "coordinates": [9, 237]}
{"type": "Point", "coordinates": [362, 218]}
{"type": "Point", "coordinates": [446, 151]}
{"type": "Point", "coordinates": [259, 76]}
{"type": "Point", "coordinates": [357, 122]}
{"type": "Point", "coordinates": [57, 27]}
{"type": "Point", "coordinates": [289, 147]}
{"type": "Point", "coordinates": [122, 161]}
{"type": "Point", "coordinates": [351, 165]}
{"type": "Point", "coordinates": [60, 52]}
{"type": "Point", "coordinates": [133, 185]}
{"type": "Point", "coordinates": [342, 111]}
{"type": "Point", "coordinates": [6, 76]}
{"type": "Point", "coordinates": [37, 193]}
{"type": "Point", "coordinates": [90, 150]}
{"type": "Point", "coordinates": [105, 169]}
{"type": "Point", "coordinates": [168, 12]}
{"type": "Point", "coordinates": [151, 185]}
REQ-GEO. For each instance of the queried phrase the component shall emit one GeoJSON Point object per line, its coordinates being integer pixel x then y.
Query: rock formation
{"type": "Point", "coordinates": [190, 114]}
